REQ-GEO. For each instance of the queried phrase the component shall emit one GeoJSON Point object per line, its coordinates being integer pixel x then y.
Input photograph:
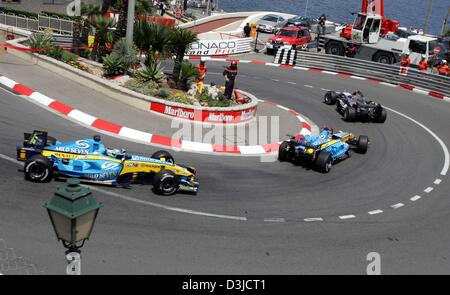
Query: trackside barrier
{"type": "Point", "coordinates": [59, 26]}
{"type": "Point", "coordinates": [376, 71]}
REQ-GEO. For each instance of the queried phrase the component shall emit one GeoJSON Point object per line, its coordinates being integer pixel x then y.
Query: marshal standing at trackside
{"type": "Point", "coordinates": [230, 74]}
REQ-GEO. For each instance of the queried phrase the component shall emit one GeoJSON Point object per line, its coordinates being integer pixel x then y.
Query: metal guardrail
{"type": "Point", "coordinates": [383, 72]}
{"type": "Point", "coordinates": [58, 25]}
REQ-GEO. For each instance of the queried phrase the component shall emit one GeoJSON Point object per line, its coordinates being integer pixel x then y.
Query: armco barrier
{"type": "Point", "coordinates": [372, 70]}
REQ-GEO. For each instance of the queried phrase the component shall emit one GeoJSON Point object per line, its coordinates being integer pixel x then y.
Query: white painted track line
{"type": "Point", "coordinates": [375, 212]}
{"type": "Point", "coordinates": [437, 181]}
{"type": "Point", "coordinates": [428, 190]}
{"type": "Point", "coordinates": [415, 198]}
{"type": "Point", "coordinates": [398, 205]}
{"type": "Point", "coordinates": [347, 217]}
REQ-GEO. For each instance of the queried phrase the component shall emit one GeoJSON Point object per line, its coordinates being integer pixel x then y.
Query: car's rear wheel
{"type": "Point", "coordinates": [330, 98]}
{"type": "Point", "coordinates": [324, 162]}
{"type": "Point", "coordinates": [166, 183]}
{"type": "Point", "coordinates": [350, 114]}
{"type": "Point", "coordinates": [38, 169]}
{"type": "Point", "coordinates": [164, 156]}
{"type": "Point", "coordinates": [362, 144]}
{"type": "Point", "coordinates": [382, 116]}
{"type": "Point", "coordinates": [283, 154]}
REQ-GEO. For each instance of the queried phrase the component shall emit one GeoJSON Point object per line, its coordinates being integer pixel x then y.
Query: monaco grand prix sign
{"type": "Point", "coordinates": [220, 47]}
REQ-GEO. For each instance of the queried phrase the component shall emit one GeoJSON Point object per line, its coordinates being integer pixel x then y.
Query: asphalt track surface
{"type": "Point", "coordinates": [274, 201]}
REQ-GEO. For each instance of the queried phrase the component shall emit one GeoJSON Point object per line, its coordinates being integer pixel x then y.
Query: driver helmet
{"type": "Point", "coordinates": [115, 152]}
{"type": "Point", "coordinates": [424, 56]}
{"type": "Point", "coordinates": [406, 54]}
{"type": "Point", "coordinates": [444, 61]}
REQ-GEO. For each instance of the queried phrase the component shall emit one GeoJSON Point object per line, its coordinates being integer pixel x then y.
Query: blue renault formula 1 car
{"type": "Point", "coordinates": [323, 150]}
{"type": "Point", "coordinates": [91, 161]}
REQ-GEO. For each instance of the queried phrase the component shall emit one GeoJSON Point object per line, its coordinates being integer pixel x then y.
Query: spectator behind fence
{"type": "Point", "coordinates": [247, 30]}
{"type": "Point", "coordinates": [423, 65]}
{"type": "Point", "coordinates": [443, 68]}
{"type": "Point", "coordinates": [322, 21]}
{"type": "Point", "coordinates": [405, 61]}
{"type": "Point", "coordinates": [351, 50]}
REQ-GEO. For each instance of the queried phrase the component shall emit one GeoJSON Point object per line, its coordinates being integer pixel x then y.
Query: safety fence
{"type": "Point", "coordinates": [43, 22]}
{"type": "Point", "coordinates": [372, 70]}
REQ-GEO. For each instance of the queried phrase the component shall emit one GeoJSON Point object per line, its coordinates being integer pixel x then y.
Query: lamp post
{"type": "Point", "coordinates": [130, 21]}
{"type": "Point", "coordinates": [73, 211]}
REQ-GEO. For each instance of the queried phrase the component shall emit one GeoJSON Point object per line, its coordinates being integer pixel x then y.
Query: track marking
{"type": "Point", "coordinates": [428, 189]}
{"type": "Point", "coordinates": [437, 181]}
{"type": "Point", "coordinates": [415, 198]}
{"type": "Point", "coordinates": [374, 212]}
{"type": "Point", "coordinates": [438, 139]}
{"type": "Point", "coordinates": [398, 205]}
{"type": "Point", "coordinates": [292, 83]}
{"type": "Point", "coordinates": [347, 216]}
{"type": "Point", "coordinates": [324, 89]}
{"type": "Point", "coordinates": [309, 86]}
{"type": "Point", "coordinates": [274, 220]}
{"type": "Point", "coordinates": [313, 219]}
{"type": "Point", "coordinates": [153, 204]}
{"type": "Point", "coordinates": [276, 80]}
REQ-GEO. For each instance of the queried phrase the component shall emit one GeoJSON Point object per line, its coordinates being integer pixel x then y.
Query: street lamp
{"type": "Point", "coordinates": [73, 211]}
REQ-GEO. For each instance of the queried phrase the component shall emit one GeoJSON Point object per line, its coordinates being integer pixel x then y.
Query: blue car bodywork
{"type": "Point", "coordinates": [323, 149]}
{"type": "Point", "coordinates": [90, 160]}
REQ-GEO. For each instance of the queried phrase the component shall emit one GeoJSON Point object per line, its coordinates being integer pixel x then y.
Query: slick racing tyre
{"type": "Point", "coordinates": [362, 144]}
{"type": "Point", "coordinates": [283, 154]}
{"type": "Point", "coordinates": [324, 162]}
{"type": "Point", "coordinates": [163, 156]}
{"type": "Point", "coordinates": [330, 98]}
{"type": "Point", "coordinates": [382, 116]}
{"type": "Point", "coordinates": [38, 169]}
{"type": "Point", "coordinates": [166, 183]}
{"type": "Point", "coordinates": [350, 114]}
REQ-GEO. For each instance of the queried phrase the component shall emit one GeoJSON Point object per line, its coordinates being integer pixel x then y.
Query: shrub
{"type": "Point", "coordinates": [152, 72]}
{"type": "Point", "coordinates": [187, 75]}
{"type": "Point", "coordinates": [146, 88]}
{"type": "Point", "coordinates": [41, 40]}
{"type": "Point", "coordinates": [56, 53]}
{"type": "Point", "coordinates": [164, 93]}
{"type": "Point", "coordinates": [127, 52]}
{"type": "Point", "coordinates": [113, 65]}
{"type": "Point", "coordinates": [68, 56]}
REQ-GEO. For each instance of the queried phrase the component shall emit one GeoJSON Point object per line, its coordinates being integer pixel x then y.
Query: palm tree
{"type": "Point", "coordinates": [154, 39]}
{"type": "Point", "coordinates": [181, 39]}
{"type": "Point", "coordinates": [102, 25]}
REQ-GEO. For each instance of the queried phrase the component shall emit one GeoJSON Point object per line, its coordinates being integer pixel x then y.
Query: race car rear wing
{"type": "Point", "coordinates": [33, 143]}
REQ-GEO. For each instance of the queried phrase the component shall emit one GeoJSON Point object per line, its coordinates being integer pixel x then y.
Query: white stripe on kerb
{"type": "Point", "coordinates": [7, 82]}
{"type": "Point", "coordinates": [196, 146]}
{"type": "Point", "coordinates": [251, 149]}
{"type": "Point", "coordinates": [41, 98]}
{"type": "Point", "coordinates": [437, 181]}
{"type": "Point", "coordinates": [329, 73]}
{"type": "Point", "coordinates": [82, 117]}
{"type": "Point", "coordinates": [282, 107]}
{"type": "Point", "coordinates": [358, 78]}
{"type": "Point", "coordinates": [135, 134]}
{"type": "Point", "coordinates": [388, 84]}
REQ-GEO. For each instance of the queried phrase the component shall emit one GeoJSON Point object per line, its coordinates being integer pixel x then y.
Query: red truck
{"type": "Point", "coordinates": [288, 36]}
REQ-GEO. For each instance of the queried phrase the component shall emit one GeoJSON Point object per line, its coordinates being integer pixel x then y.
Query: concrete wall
{"type": "Point", "coordinates": [38, 5]}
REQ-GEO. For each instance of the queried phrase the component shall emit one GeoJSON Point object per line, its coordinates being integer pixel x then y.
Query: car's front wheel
{"type": "Point", "coordinates": [38, 169]}
{"type": "Point", "coordinates": [330, 98]}
{"type": "Point", "coordinates": [362, 144]}
{"type": "Point", "coordinates": [166, 183]}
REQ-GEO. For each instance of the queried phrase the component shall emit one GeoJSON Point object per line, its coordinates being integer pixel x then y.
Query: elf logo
{"type": "Point", "coordinates": [110, 165]}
